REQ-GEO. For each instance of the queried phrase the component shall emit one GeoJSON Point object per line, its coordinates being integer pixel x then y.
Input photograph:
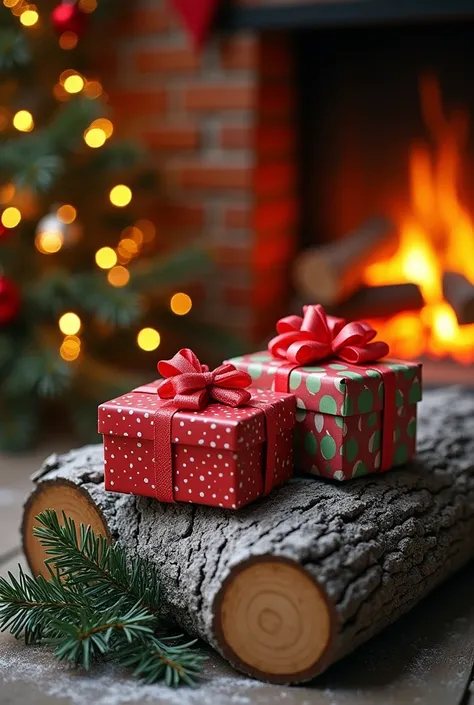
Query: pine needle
{"type": "Point", "coordinates": [96, 603]}
{"type": "Point", "coordinates": [99, 567]}
{"type": "Point", "coordinates": [155, 659]}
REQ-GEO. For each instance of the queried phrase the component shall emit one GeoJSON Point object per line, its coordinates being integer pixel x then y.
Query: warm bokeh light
{"type": "Point", "coordinates": [69, 323]}
{"type": "Point", "coordinates": [65, 74]}
{"type": "Point", "coordinates": [118, 276]}
{"type": "Point", "coordinates": [11, 217]}
{"type": "Point", "coordinates": [87, 5]}
{"type": "Point", "coordinates": [74, 83]}
{"type": "Point", "coordinates": [106, 258]}
{"type": "Point", "coordinates": [93, 89]}
{"type": "Point", "coordinates": [436, 207]}
{"type": "Point", "coordinates": [70, 348]}
{"type": "Point", "coordinates": [147, 229]}
{"type": "Point", "coordinates": [95, 137]}
{"type": "Point", "coordinates": [48, 243]}
{"type": "Point", "coordinates": [120, 195]}
{"type": "Point", "coordinates": [148, 339]}
{"type": "Point", "coordinates": [105, 125]}
{"type": "Point", "coordinates": [68, 40]}
{"type": "Point", "coordinates": [127, 247]}
{"type": "Point", "coordinates": [66, 214]}
{"type": "Point", "coordinates": [181, 304]}
{"type": "Point", "coordinates": [59, 92]}
{"type": "Point", "coordinates": [4, 119]}
{"type": "Point", "coordinates": [133, 233]}
{"type": "Point", "coordinates": [19, 7]}
{"type": "Point", "coordinates": [28, 18]}
{"type": "Point", "coordinates": [123, 257]}
{"type": "Point", "coordinates": [23, 121]}
{"type": "Point", "coordinates": [6, 193]}
{"type": "Point", "coordinates": [11, 3]}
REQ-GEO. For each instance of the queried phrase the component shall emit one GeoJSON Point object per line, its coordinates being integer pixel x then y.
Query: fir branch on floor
{"type": "Point", "coordinates": [96, 603]}
{"type": "Point", "coordinates": [27, 605]}
{"type": "Point", "coordinates": [156, 659]}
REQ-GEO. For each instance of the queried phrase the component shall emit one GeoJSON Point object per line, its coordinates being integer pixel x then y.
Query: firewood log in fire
{"type": "Point", "coordinates": [380, 302]}
{"type": "Point", "coordinates": [329, 274]}
{"type": "Point", "coordinates": [459, 292]}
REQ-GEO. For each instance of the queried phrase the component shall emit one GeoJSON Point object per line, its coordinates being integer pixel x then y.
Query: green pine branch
{"type": "Point", "coordinates": [118, 307]}
{"type": "Point", "coordinates": [159, 659]}
{"type": "Point", "coordinates": [37, 370]}
{"type": "Point", "coordinates": [94, 634]}
{"type": "Point", "coordinates": [159, 273]}
{"type": "Point", "coordinates": [24, 600]}
{"type": "Point", "coordinates": [19, 420]}
{"type": "Point", "coordinates": [96, 603]}
{"type": "Point", "coordinates": [101, 568]}
{"type": "Point", "coordinates": [14, 50]}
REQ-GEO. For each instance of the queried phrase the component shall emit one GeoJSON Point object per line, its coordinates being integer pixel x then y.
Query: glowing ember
{"type": "Point", "coordinates": [436, 236]}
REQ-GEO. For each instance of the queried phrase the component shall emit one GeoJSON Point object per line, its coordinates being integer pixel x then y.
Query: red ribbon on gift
{"type": "Point", "coordinates": [190, 385]}
{"type": "Point", "coordinates": [316, 337]}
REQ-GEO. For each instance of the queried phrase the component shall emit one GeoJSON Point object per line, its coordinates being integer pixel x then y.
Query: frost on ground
{"type": "Point", "coordinates": [40, 675]}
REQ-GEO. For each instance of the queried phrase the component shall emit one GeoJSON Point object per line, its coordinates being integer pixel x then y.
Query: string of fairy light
{"type": "Point", "coordinates": [50, 240]}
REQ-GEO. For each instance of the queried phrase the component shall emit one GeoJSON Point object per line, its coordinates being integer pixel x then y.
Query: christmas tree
{"type": "Point", "coordinates": [84, 288]}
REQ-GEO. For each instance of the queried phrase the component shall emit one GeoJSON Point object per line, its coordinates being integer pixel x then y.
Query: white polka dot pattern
{"type": "Point", "coordinates": [218, 426]}
{"type": "Point", "coordinates": [218, 453]}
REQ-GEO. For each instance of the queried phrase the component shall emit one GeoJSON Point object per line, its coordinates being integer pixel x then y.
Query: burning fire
{"type": "Point", "coordinates": [436, 236]}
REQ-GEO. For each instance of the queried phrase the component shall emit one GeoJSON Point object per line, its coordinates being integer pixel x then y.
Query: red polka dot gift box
{"type": "Point", "coordinates": [198, 436]}
{"type": "Point", "coordinates": [356, 413]}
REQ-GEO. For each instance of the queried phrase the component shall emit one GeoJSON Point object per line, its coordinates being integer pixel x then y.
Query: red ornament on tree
{"type": "Point", "coordinates": [10, 301]}
{"type": "Point", "coordinates": [67, 17]}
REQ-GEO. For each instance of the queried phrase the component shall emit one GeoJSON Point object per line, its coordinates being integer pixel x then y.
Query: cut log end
{"type": "Point", "coordinates": [273, 622]}
{"type": "Point", "coordinates": [62, 496]}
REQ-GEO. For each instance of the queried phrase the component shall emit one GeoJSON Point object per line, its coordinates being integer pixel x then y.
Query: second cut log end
{"type": "Point", "coordinates": [272, 621]}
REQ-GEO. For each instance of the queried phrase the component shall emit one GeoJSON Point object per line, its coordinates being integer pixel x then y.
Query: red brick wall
{"type": "Point", "coordinates": [219, 127]}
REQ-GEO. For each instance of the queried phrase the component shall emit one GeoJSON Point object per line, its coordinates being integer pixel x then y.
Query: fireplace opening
{"type": "Point", "coordinates": [386, 130]}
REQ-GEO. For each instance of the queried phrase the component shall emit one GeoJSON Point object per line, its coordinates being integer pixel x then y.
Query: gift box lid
{"type": "Point", "coordinates": [217, 426]}
{"type": "Point", "coordinates": [337, 388]}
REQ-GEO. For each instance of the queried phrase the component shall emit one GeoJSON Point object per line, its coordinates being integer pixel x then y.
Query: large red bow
{"type": "Point", "coordinates": [317, 336]}
{"type": "Point", "coordinates": [190, 385]}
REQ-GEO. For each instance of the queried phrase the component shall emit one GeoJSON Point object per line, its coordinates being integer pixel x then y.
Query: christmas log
{"type": "Point", "coordinates": [330, 273]}
{"type": "Point", "coordinates": [290, 584]}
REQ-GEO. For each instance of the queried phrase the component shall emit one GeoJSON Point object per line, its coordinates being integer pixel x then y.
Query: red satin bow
{"type": "Point", "coordinates": [190, 385]}
{"type": "Point", "coordinates": [317, 336]}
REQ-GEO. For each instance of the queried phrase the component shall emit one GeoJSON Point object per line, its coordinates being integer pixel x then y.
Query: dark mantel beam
{"type": "Point", "coordinates": [332, 13]}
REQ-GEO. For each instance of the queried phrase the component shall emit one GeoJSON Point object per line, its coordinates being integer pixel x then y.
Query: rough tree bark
{"type": "Point", "coordinates": [290, 584]}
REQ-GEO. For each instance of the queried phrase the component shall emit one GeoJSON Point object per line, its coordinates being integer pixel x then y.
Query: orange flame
{"type": "Point", "coordinates": [436, 236]}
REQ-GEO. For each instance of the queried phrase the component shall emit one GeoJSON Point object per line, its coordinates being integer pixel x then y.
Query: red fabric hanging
{"type": "Point", "coordinates": [197, 16]}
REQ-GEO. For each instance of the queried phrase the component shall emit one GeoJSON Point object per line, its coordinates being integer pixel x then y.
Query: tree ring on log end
{"type": "Point", "coordinates": [272, 620]}
{"type": "Point", "coordinates": [60, 495]}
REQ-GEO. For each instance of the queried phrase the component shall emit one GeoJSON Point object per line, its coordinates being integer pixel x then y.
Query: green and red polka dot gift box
{"type": "Point", "coordinates": [340, 411]}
